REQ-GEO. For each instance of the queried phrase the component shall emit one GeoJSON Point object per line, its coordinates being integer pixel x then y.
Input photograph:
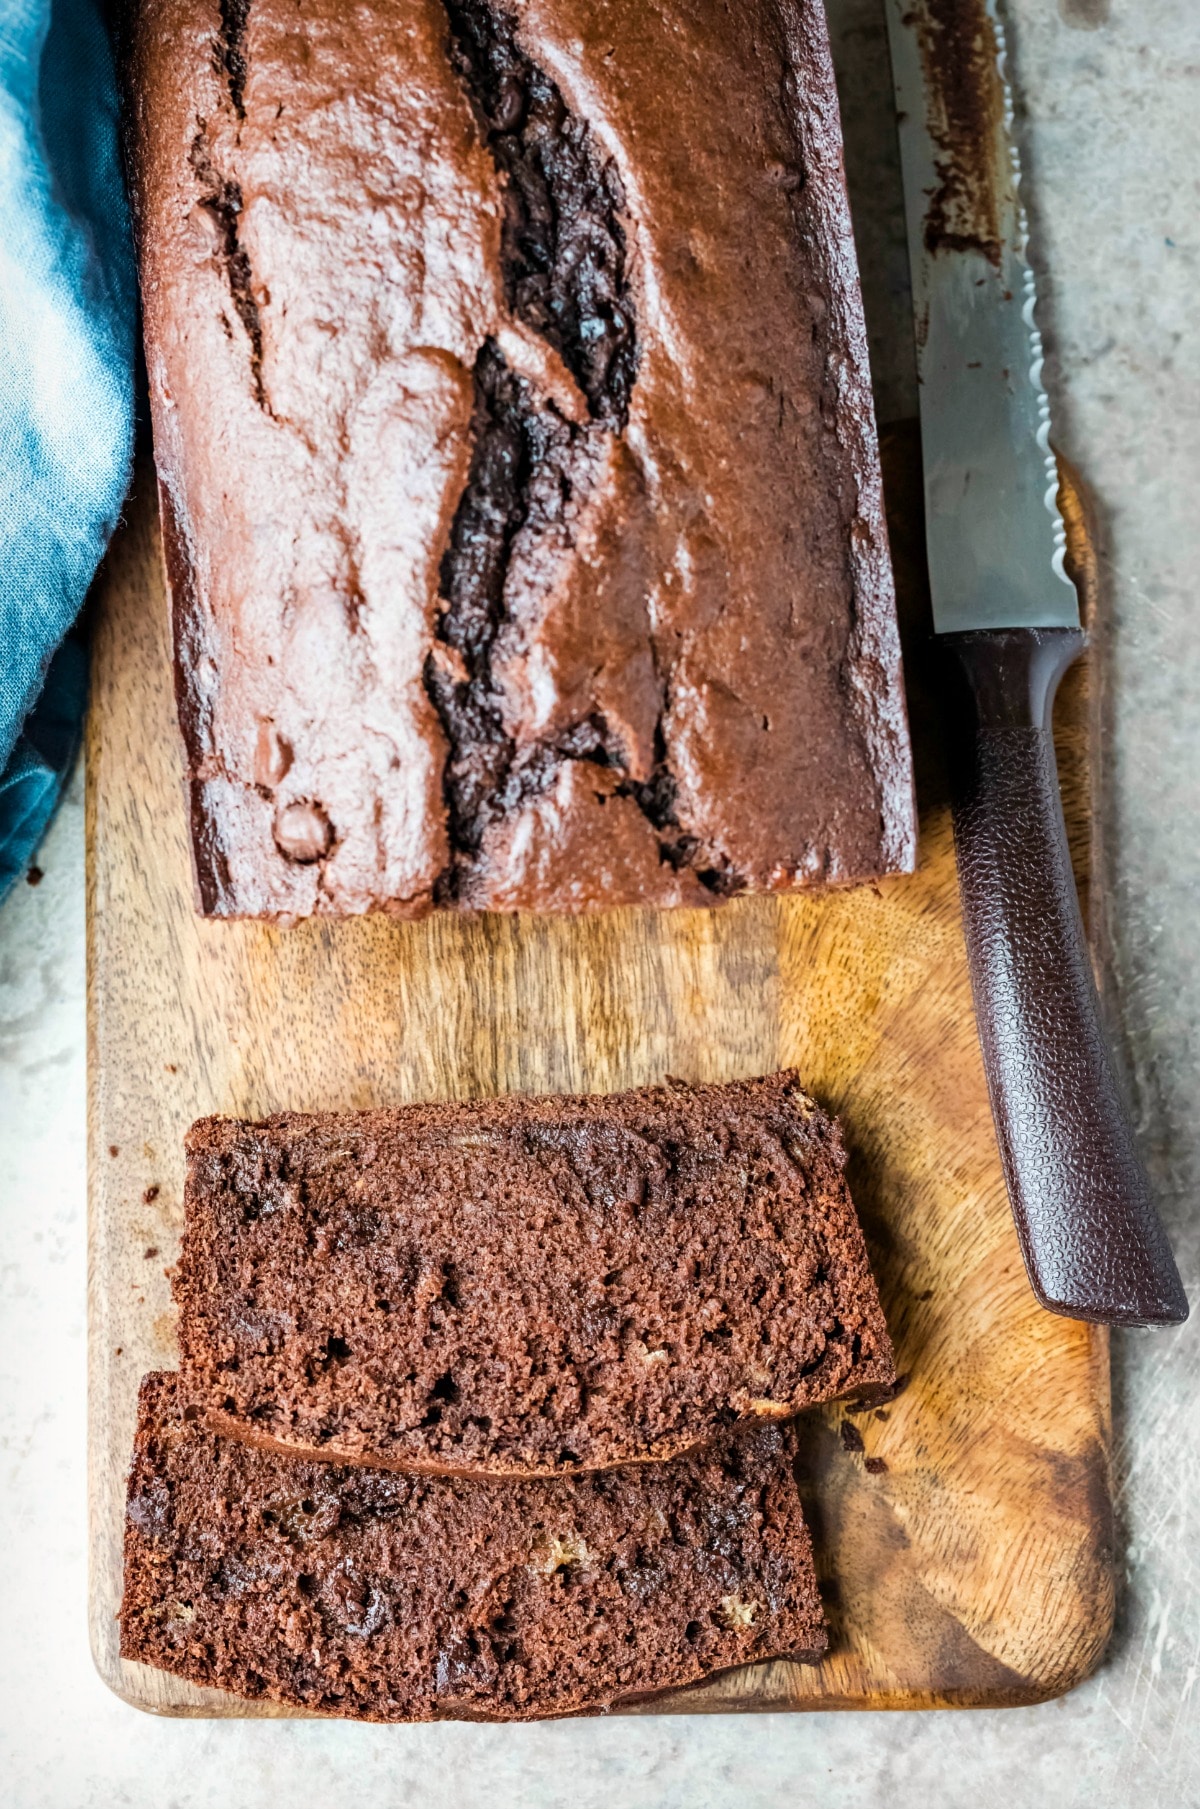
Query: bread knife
{"type": "Point", "coordinates": [1006, 615]}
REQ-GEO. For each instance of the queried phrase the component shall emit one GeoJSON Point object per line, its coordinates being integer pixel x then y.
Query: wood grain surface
{"type": "Point", "coordinates": [965, 1549]}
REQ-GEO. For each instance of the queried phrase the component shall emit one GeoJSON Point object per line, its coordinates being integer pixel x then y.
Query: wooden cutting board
{"type": "Point", "coordinates": [964, 1534]}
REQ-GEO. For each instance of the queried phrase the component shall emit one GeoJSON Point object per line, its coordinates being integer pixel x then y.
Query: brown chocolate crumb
{"type": "Point", "coordinates": [881, 1413]}
{"type": "Point", "coordinates": [34, 877]}
{"type": "Point", "coordinates": [151, 1194]}
{"type": "Point", "coordinates": [852, 1438]}
{"type": "Point", "coordinates": [113, 1150]}
{"type": "Point", "coordinates": [887, 1391]}
{"type": "Point", "coordinates": [170, 1068]}
{"type": "Point", "coordinates": [149, 1252]}
{"type": "Point", "coordinates": [875, 1466]}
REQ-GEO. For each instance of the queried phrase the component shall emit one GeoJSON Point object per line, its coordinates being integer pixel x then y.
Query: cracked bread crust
{"type": "Point", "coordinates": [395, 1598]}
{"type": "Point", "coordinates": [518, 475]}
{"type": "Point", "coordinates": [524, 1286]}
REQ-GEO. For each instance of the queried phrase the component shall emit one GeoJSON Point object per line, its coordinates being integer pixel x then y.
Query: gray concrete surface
{"type": "Point", "coordinates": [1111, 101]}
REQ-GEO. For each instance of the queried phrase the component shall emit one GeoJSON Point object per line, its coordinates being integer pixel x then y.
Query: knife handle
{"type": "Point", "coordinates": [1093, 1243]}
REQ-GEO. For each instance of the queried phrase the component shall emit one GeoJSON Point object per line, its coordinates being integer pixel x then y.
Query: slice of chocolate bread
{"type": "Point", "coordinates": [525, 1286]}
{"type": "Point", "coordinates": [391, 1598]}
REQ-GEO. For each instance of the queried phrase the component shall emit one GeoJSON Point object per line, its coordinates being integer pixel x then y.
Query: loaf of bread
{"type": "Point", "coordinates": [392, 1598]}
{"type": "Point", "coordinates": [517, 466]}
{"type": "Point", "coordinates": [524, 1286]}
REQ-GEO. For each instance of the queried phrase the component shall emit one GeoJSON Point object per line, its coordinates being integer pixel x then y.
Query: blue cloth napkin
{"type": "Point", "coordinates": [67, 318]}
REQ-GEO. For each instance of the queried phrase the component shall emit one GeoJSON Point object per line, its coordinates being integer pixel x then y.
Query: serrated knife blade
{"type": "Point", "coordinates": [996, 538]}
{"type": "Point", "coordinates": [1007, 619]}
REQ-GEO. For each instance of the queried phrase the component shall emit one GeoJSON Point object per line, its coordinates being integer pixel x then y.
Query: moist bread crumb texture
{"type": "Point", "coordinates": [518, 475]}
{"type": "Point", "coordinates": [525, 1286]}
{"type": "Point", "coordinates": [388, 1597]}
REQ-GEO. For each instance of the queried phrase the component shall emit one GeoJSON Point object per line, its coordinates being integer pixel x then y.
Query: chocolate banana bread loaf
{"type": "Point", "coordinates": [524, 1286]}
{"type": "Point", "coordinates": [392, 1598]}
{"type": "Point", "coordinates": [517, 465]}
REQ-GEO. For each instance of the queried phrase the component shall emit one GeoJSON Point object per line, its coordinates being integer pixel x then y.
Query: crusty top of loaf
{"type": "Point", "coordinates": [516, 455]}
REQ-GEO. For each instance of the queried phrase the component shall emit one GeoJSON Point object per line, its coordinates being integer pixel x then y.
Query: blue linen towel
{"type": "Point", "coordinates": [67, 320]}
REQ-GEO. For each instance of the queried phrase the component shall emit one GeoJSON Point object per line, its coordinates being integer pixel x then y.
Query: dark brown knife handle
{"type": "Point", "coordinates": [1093, 1243]}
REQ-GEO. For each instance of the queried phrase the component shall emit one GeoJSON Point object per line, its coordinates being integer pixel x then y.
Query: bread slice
{"type": "Point", "coordinates": [525, 1286]}
{"type": "Point", "coordinates": [386, 1597]}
